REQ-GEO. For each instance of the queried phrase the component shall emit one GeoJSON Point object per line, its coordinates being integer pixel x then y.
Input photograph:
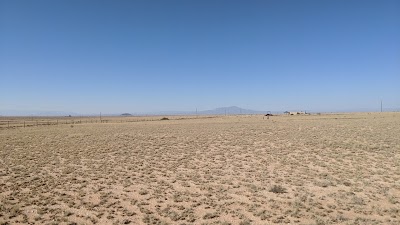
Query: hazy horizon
{"type": "Point", "coordinates": [154, 56]}
{"type": "Point", "coordinates": [214, 111]}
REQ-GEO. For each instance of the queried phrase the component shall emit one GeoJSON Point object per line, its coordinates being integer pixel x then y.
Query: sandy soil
{"type": "Point", "coordinates": [326, 169]}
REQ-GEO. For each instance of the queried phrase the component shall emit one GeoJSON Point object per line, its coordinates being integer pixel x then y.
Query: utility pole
{"type": "Point", "coordinates": [381, 105]}
{"type": "Point", "coordinates": [100, 117]}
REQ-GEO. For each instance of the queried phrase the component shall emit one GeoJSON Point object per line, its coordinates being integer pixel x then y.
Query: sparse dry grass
{"type": "Point", "coordinates": [328, 169]}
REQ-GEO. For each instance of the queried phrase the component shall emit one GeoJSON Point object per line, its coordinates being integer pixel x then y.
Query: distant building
{"type": "Point", "coordinates": [295, 113]}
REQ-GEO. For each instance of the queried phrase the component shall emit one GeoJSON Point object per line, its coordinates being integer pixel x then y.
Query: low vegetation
{"type": "Point", "coordinates": [315, 169]}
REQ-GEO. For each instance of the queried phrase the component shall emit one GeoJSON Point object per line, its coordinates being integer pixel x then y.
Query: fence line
{"type": "Point", "coordinates": [32, 123]}
{"type": "Point", "coordinates": [20, 123]}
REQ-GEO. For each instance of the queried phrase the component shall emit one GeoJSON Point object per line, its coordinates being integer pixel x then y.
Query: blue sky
{"type": "Point", "coordinates": [146, 56]}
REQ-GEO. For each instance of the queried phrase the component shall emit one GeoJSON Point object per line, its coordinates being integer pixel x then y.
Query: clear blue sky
{"type": "Point", "coordinates": [144, 56]}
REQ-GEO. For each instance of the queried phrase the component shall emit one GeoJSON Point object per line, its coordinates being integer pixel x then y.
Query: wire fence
{"type": "Point", "coordinates": [24, 122]}
{"type": "Point", "coordinates": [17, 123]}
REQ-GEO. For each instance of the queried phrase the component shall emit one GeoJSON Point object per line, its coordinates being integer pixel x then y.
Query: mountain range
{"type": "Point", "coordinates": [231, 110]}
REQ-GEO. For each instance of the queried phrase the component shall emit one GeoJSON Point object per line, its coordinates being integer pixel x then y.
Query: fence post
{"type": "Point", "coordinates": [24, 124]}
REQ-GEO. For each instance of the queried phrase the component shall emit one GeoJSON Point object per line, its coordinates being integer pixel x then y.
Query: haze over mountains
{"type": "Point", "coordinates": [231, 110]}
{"type": "Point", "coordinates": [218, 111]}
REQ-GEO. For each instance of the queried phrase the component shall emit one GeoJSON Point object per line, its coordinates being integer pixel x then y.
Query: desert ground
{"type": "Point", "coordinates": [305, 169]}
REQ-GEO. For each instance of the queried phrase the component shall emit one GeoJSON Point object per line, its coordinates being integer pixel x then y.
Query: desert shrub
{"type": "Point", "coordinates": [245, 222]}
{"type": "Point", "coordinates": [143, 192]}
{"type": "Point", "coordinates": [126, 221]}
{"type": "Point", "coordinates": [210, 215]}
{"type": "Point", "coordinates": [164, 118]}
{"type": "Point", "coordinates": [358, 200]}
{"type": "Point", "coordinates": [277, 189]}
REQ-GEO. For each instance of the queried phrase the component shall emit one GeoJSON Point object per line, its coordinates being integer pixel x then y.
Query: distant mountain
{"type": "Point", "coordinates": [232, 110]}
{"type": "Point", "coordinates": [391, 109]}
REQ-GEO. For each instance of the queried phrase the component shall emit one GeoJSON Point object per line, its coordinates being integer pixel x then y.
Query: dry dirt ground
{"type": "Point", "coordinates": [318, 169]}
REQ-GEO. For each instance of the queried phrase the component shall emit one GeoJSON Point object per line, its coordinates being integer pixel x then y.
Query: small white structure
{"type": "Point", "coordinates": [296, 113]}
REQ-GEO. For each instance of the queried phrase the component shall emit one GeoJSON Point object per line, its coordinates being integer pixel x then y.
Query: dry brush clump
{"type": "Point", "coordinates": [327, 169]}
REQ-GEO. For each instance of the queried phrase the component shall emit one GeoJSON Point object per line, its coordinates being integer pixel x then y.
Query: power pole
{"type": "Point", "coordinates": [381, 105]}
